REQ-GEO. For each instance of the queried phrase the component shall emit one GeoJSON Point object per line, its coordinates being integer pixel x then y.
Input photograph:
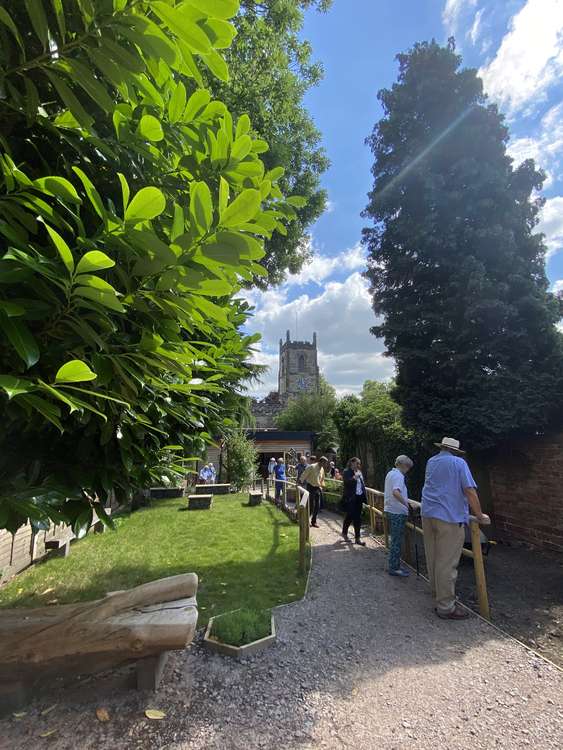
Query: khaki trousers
{"type": "Point", "coordinates": [443, 543]}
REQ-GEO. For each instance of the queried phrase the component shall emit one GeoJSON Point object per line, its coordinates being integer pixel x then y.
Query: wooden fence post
{"type": "Point", "coordinates": [386, 531]}
{"type": "Point", "coordinates": [479, 568]}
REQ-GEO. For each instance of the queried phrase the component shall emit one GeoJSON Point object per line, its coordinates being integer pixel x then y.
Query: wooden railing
{"type": "Point", "coordinates": [475, 553]}
{"type": "Point", "coordinates": [302, 512]}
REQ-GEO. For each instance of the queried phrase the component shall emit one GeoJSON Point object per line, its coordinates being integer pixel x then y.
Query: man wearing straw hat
{"type": "Point", "coordinates": [449, 490]}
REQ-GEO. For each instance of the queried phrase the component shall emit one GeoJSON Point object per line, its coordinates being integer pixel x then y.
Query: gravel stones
{"type": "Point", "coordinates": [361, 662]}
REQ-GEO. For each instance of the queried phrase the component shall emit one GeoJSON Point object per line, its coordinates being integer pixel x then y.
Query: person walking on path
{"type": "Point", "coordinates": [449, 489]}
{"type": "Point", "coordinates": [313, 478]}
{"type": "Point", "coordinates": [396, 508]}
{"type": "Point", "coordinates": [279, 472]}
{"type": "Point", "coordinates": [271, 467]}
{"type": "Point", "coordinates": [353, 497]}
{"type": "Point", "coordinates": [301, 466]}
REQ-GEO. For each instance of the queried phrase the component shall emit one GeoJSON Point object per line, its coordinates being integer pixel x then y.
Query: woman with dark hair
{"type": "Point", "coordinates": [353, 498]}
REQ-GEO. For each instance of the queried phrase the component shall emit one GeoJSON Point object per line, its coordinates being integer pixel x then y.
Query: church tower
{"type": "Point", "coordinates": [299, 370]}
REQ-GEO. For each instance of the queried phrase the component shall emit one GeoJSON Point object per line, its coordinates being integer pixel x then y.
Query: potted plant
{"type": "Point", "coordinates": [242, 632]}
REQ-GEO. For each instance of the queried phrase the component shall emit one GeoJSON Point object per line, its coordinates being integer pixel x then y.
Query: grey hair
{"type": "Point", "coordinates": [404, 461]}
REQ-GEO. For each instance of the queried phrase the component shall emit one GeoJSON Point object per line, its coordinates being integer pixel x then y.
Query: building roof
{"type": "Point", "coordinates": [272, 434]}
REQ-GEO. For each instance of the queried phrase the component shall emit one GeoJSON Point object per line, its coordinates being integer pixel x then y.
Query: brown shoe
{"type": "Point", "coordinates": [457, 613]}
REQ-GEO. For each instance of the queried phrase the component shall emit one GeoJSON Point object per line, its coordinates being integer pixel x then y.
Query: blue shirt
{"type": "Point", "coordinates": [447, 476]}
{"type": "Point", "coordinates": [279, 471]}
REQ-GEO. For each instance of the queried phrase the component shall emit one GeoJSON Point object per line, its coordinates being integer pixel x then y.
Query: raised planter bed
{"type": "Point", "coordinates": [255, 497]}
{"type": "Point", "coordinates": [200, 502]}
{"type": "Point", "coordinates": [238, 652]}
{"type": "Point", "coordinates": [214, 489]}
{"type": "Point", "coordinates": [166, 493]}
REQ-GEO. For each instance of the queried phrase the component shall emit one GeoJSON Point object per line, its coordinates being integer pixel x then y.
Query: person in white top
{"type": "Point", "coordinates": [396, 507]}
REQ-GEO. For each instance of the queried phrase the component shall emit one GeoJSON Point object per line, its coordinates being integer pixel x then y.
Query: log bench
{"type": "Point", "coordinates": [48, 646]}
{"type": "Point", "coordinates": [200, 502]}
{"type": "Point", "coordinates": [255, 497]}
{"type": "Point", "coordinates": [214, 489]}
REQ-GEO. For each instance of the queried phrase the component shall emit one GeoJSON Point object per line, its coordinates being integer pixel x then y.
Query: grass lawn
{"type": "Point", "coordinates": [244, 557]}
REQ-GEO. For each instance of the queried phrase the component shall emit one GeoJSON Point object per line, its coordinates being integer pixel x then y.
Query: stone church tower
{"type": "Point", "coordinates": [298, 368]}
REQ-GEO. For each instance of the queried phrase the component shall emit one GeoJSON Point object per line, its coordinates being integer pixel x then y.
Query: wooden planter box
{"type": "Point", "coordinates": [238, 652]}
{"type": "Point", "coordinates": [255, 497]}
{"type": "Point", "coordinates": [200, 502]}
{"type": "Point", "coordinates": [166, 493]}
{"type": "Point", "coordinates": [214, 489]}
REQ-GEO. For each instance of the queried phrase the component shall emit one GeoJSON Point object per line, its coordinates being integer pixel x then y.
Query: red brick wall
{"type": "Point", "coordinates": [526, 483]}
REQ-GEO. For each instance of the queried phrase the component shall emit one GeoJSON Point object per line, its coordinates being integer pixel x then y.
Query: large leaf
{"type": "Point", "coordinates": [242, 209]}
{"type": "Point", "coordinates": [62, 248]}
{"type": "Point", "coordinates": [91, 192]}
{"type": "Point", "coordinates": [201, 206]}
{"type": "Point", "coordinates": [58, 186]}
{"type": "Point", "coordinates": [101, 297]}
{"type": "Point", "coordinates": [186, 30]}
{"type": "Point", "coordinates": [15, 386]}
{"type": "Point", "coordinates": [94, 260]}
{"type": "Point", "coordinates": [74, 371]}
{"type": "Point", "coordinates": [177, 103]}
{"type": "Point", "coordinates": [38, 20]}
{"type": "Point", "coordinates": [216, 8]}
{"type": "Point", "coordinates": [150, 128]}
{"type": "Point", "coordinates": [148, 203]}
{"type": "Point", "coordinates": [20, 337]}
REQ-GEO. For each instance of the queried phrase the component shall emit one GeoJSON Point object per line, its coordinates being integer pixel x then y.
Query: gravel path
{"type": "Point", "coordinates": [361, 662]}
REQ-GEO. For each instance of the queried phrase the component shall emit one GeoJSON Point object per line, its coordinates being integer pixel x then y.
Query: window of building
{"type": "Point", "coordinates": [301, 363]}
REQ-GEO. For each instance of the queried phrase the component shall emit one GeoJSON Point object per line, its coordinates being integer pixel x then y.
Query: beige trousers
{"type": "Point", "coordinates": [443, 543]}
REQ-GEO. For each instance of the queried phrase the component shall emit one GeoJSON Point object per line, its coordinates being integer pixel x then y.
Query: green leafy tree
{"type": "Point", "coordinates": [271, 69]}
{"type": "Point", "coordinates": [241, 459]}
{"type": "Point", "coordinates": [132, 208]}
{"type": "Point", "coordinates": [371, 427]}
{"type": "Point", "coordinates": [312, 412]}
{"type": "Point", "coordinates": [455, 269]}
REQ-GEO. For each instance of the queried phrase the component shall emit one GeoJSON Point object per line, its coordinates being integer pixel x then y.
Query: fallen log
{"type": "Point", "coordinates": [68, 640]}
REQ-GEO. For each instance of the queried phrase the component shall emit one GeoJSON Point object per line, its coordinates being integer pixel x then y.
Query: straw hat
{"type": "Point", "coordinates": [450, 443]}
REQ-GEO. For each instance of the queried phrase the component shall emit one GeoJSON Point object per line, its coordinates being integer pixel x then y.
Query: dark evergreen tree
{"type": "Point", "coordinates": [456, 272]}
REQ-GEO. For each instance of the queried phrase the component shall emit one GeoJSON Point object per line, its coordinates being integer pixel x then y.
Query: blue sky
{"type": "Point", "coordinates": [518, 47]}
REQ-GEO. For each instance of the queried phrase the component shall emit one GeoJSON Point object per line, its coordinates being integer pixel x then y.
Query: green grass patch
{"type": "Point", "coordinates": [244, 557]}
{"type": "Point", "coordinates": [242, 627]}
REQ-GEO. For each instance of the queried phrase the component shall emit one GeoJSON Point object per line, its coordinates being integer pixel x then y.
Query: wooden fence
{"type": "Point", "coordinates": [299, 513]}
{"type": "Point", "coordinates": [375, 499]}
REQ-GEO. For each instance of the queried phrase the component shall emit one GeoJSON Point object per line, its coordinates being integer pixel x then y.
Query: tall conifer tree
{"type": "Point", "coordinates": [456, 271]}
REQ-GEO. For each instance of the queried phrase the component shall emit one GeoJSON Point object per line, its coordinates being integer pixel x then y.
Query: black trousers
{"type": "Point", "coordinates": [314, 501]}
{"type": "Point", "coordinates": [353, 515]}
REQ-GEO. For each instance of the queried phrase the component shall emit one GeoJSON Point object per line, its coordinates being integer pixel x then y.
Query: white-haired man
{"type": "Point", "coordinates": [449, 489]}
{"type": "Point", "coordinates": [396, 508]}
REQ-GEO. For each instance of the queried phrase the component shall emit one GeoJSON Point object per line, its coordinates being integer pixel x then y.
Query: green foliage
{"type": "Point", "coordinates": [242, 459]}
{"type": "Point", "coordinates": [455, 270]}
{"type": "Point", "coordinates": [271, 69]}
{"type": "Point", "coordinates": [242, 626]}
{"type": "Point", "coordinates": [132, 208]}
{"type": "Point", "coordinates": [371, 427]}
{"type": "Point", "coordinates": [249, 559]}
{"type": "Point", "coordinates": [312, 412]}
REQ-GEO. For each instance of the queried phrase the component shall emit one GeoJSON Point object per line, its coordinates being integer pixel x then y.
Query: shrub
{"type": "Point", "coordinates": [242, 460]}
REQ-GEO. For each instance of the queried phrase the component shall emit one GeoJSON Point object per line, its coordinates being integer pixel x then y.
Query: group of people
{"type": "Point", "coordinates": [310, 474]}
{"type": "Point", "coordinates": [449, 493]}
{"type": "Point", "coordinates": [208, 474]}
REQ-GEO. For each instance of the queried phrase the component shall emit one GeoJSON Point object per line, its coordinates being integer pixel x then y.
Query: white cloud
{"type": "Point", "coordinates": [476, 29]}
{"type": "Point", "coordinates": [322, 267]}
{"type": "Point", "coordinates": [551, 224]}
{"type": "Point", "coordinates": [557, 287]}
{"type": "Point", "coordinates": [341, 315]}
{"type": "Point", "coordinates": [529, 59]}
{"type": "Point", "coordinates": [453, 11]}
{"type": "Point", "coordinates": [546, 147]}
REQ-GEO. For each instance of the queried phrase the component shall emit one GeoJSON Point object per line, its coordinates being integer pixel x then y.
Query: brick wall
{"type": "Point", "coordinates": [526, 486]}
